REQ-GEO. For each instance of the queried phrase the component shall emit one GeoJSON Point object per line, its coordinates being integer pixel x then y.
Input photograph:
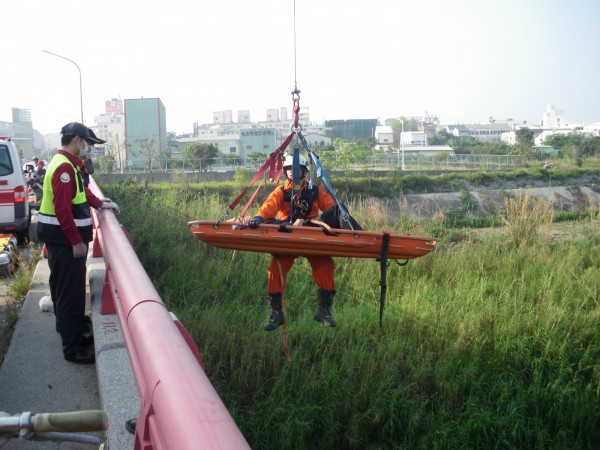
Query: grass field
{"type": "Point", "coordinates": [491, 341]}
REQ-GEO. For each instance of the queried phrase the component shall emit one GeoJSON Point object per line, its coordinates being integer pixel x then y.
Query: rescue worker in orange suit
{"type": "Point", "coordinates": [307, 204]}
{"type": "Point", "coordinates": [65, 226]}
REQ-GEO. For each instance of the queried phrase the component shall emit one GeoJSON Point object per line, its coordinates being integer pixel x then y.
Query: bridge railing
{"type": "Point", "coordinates": [179, 407]}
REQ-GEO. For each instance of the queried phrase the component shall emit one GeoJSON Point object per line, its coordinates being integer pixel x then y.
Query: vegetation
{"type": "Point", "coordinates": [488, 342]}
{"type": "Point", "coordinates": [17, 290]}
{"type": "Point", "coordinates": [200, 154]}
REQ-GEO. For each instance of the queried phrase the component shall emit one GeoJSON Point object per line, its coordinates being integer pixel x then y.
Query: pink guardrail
{"type": "Point", "coordinates": [179, 407]}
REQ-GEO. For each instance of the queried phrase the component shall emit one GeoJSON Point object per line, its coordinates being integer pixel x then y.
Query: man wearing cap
{"type": "Point", "coordinates": [86, 159]}
{"type": "Point", "coordinates": [65, 226]}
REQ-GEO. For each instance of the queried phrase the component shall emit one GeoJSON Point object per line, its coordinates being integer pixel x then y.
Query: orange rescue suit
{"type": "Point", "coordinates": [307, 205]}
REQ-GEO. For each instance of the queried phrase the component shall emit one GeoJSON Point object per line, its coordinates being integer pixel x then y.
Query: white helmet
{"type": "Point", "coordinates": [289, 161]}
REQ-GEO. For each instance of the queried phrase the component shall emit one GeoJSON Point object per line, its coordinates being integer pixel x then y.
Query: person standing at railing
{"type": "Point", "coordinates": [65, 227]}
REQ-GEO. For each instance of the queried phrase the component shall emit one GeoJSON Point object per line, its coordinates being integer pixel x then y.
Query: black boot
{"type": "Point", "coordinates": [323, 312]}
{"type": "Point", "coordinates": [276, 317]}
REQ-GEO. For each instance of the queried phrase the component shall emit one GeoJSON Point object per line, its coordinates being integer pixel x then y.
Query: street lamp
{"type": "Point", "coordinates": [402, 166]}
{"type": "Point", "coordinates": [80, 90]}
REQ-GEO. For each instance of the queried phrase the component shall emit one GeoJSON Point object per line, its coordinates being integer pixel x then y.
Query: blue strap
{"type": "Point", "coordinates": [321, 174]}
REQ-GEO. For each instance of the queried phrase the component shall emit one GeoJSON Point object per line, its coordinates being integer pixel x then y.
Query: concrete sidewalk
{"type": "Point", "coordinates": [35, 377]}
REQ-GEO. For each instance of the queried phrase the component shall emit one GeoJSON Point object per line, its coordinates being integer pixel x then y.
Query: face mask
{"type": "Point", "coordinates": [86, 148]}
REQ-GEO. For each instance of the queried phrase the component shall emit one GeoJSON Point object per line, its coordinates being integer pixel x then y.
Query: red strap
{"type": "Point", "coordinates": [296, 111]}
{"type": "Point", "coordinates": [245, 210]}
{"type": "Point", "coordinates": [274, 161]}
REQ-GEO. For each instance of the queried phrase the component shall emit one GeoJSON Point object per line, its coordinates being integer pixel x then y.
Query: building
{"type": "Point", "coordinates": [113, 107]}
{"type": "Point", "coordinates": [244, 116]}
{"type": "Point", "coordinates": [352, 130]}
{"type": "Point", "coordinates": [110, 127]}
{"type": "Point", "coordinates": [22, 133]}
{"type": "Point", "coordinates": [553, 118]}
{"type": "Point", "coordinates": [145, 133]}
{"type": "Point", "coordinates": [261, 140]}
{"type": "Point", "coordinates": [413, 138]}
{"type": "Point", "coordinates": [486, 132]}
{"type": "Point", "coordinates": [384, 135]}
{"type": "Point", "coordinates": [316, 138]}
{"type": "Point", "coordinates": [223, 116]}
{"type": "Point", "coordinates": [226, 143]}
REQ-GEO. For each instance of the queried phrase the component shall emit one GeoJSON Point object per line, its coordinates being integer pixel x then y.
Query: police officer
{"type": "Point", "coordinates": [65, 226]}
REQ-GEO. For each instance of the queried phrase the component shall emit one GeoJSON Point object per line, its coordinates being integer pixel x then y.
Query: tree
{"type": "Point", "coordinates": [147, 148]}
{"type": "Point", "coordinates": [463, 144]}
{"type": "Point", "coordinates": [200, 155]}
{"type": "Point", "coordinates": [442, 137]}
{"type": "Point", "coordinates": [106, 163]}
{"type": "Point", "coordinates": [257, 158]}
{"type": "Point", "coordinates": [524, 138]}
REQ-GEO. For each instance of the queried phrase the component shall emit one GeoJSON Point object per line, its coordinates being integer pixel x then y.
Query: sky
{"type": "Point", "coordinates": [460, 60]}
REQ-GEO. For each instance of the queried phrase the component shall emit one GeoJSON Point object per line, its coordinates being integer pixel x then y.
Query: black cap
{"type": "Point", "coordinates": [95, 139]}
{"type": "Point", "coordinates": [77, 129]}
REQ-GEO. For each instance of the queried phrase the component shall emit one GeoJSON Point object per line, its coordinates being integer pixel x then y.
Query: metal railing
{"type": "Point", "coordinates": [179, 408]}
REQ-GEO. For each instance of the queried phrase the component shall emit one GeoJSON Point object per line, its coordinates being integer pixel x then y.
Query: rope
{"type": "Point", "coordinates": [295, 78]}
{"type": "Point", "coordinates": [286, 350]}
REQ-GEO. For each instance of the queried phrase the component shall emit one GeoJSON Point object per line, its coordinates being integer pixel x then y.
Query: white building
{"type": "Point", "coordinates": [244, 116]}
{"type": "Point", "coordinates": [485, 132]}
{"type": "Point", "coordinates": [384, 136]}
{"type": "Point", "coordinates": [552, 117]}
{"type": "Point", "coordinates": [223, 116]}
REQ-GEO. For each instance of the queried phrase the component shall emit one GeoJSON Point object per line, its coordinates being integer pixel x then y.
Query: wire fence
{"type": "Point", "coordinates": [378, 162]}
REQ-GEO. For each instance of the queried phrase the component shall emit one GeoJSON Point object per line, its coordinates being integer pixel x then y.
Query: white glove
{"type": "Point", "coordinates": [110, 205]}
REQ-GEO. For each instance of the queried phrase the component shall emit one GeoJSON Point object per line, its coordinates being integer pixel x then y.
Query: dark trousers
{"type": "Point", "coordinates": [67, 288]}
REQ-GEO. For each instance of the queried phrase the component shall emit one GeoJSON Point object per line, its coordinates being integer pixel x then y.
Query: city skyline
{"type": "Point", "coordinates": [460, 60]}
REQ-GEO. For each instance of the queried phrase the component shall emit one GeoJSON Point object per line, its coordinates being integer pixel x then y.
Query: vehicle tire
{"type": "Point", "coordinates": [22, 236]}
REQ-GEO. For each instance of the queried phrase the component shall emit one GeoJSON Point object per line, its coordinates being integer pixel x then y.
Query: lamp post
{"type": "Point", "coordinates": [80, 90]}
{"type": "Point", "coordinates": [401, 152]}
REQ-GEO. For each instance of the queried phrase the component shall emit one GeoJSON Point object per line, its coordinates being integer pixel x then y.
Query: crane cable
{"type": "Point", "coordinates": [295, 91]}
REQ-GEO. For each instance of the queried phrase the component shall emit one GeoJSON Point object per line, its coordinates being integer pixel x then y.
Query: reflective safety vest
{"type": "Point", "coordinates": [49, 229]}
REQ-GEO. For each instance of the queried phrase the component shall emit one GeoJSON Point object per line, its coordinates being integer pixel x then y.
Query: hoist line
{"type": "Point", "coordinates": [295, 73]}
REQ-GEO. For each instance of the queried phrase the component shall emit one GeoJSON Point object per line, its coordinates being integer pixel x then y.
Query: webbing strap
{"type": "Point", "coordinates": [245, 209]}
{"type": "Point", "coordinates": [383, 282]}
{"type": "Point", "coordinates": [321, 174]}
{"type": "Point", "coordinates": [273, 163]}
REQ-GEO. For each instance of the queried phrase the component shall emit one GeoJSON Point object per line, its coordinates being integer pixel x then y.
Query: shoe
{"type": "Point", "coordinates": [276, 316]}
{"type": "Point", "coordinates": [86, 341]}
{"type": "Point", "coordinates": [80, 357]}
{"type": "Point", "coordinates": [130, 425]}
{"type": "Point", "coordinates": [323, 312]}
{"type": "Point", "coordinates": [87, 324]}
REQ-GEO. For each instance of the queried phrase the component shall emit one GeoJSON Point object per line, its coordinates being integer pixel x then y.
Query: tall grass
{"type": "Point", "coordinates": [486, 344]}
{"type": "Point", "coordinates": [528, 218]}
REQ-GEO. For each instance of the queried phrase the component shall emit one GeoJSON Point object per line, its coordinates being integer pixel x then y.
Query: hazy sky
{"type": "Point", "coordinates": [462, 60]}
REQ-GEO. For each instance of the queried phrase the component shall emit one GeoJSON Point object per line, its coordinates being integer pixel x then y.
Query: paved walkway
{"type": "Point", "coordinates": [35, 377]}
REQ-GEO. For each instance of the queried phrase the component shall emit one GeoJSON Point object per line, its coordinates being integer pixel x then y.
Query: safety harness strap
{"type": "Point", "coordinates": [383, 282]}
{"type": "Point", "coordinates": [273, 163]}
{"type": "Point", "coordinates": [321, 174]}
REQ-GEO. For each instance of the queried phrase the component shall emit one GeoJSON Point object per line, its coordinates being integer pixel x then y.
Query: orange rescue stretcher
{"type": "Point", "coordinates": [286, 239]}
